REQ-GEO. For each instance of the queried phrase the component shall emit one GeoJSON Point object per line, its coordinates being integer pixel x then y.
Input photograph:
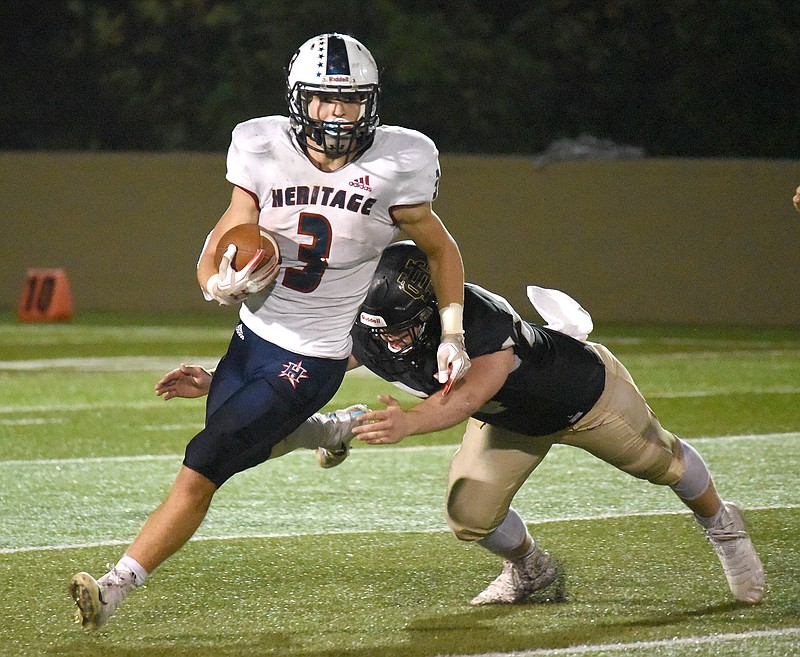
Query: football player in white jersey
{"type": "Point", "coordinates": [334, 188]}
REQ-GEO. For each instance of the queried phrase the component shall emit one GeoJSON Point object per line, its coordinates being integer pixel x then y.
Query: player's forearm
{"type": "Point", "coordinates": [439, 412]}
{"type": "Point", "coordinates": [205, 269]}
{"type": "Point", "coordinates": [243, 209]}
{"type": "Point", "coordinates": [447, 273]}
{"type": "Point", "coordinates": [482, 383]}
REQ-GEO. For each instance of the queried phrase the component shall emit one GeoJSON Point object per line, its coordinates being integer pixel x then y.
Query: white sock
{"type": "Point", "coordinates": [129, 563]}
{"type": "Point", "coordinates": [696, 476]}
{"type": "Point", "coordinates": [508, 538]}
{"type": "Point", "coordinates": [717, 520]}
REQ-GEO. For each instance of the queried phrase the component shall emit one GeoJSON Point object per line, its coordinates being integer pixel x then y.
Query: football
{"type": "Point", "coordinates": [248, 239]}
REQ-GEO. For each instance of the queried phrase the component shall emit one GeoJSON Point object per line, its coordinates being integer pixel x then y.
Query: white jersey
{"type": "Point", "coordinates": [331, 227]}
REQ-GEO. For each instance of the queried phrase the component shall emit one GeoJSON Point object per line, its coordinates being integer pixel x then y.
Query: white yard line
{"type": "Point", "coordinates": [641, 645]}
{"type": "Point", "coordinates": [684, 355]}
{"type": "Point", "coordinates": [78, 408]}
{"type": "Point", "coordinates": [767, 390]}
{"type": "Point", "coordinates": [106, 364]}
{"type": "Point", "coordinates": [146, 363]}
{"type": "Point", "coordinates": [442, 530]}
{"type": "Point", "coordinates": [362, 450]}
{"type": "Point", "coordinates": [157, 403]}
{"type": "Point", "coordinates": [31, 421]}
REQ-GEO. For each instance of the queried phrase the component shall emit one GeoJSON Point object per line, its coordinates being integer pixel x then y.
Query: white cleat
{"type": "Point", "coordinates": [739, 558]}
{"type": "Point", "coordinates": [97, 600]}
{"type": "Point", "coordinates": [519, 580]}
{"type": "Point", "coordinates": [340, 426]}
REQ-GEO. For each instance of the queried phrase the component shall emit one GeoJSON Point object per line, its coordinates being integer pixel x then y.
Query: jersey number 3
{"type": "Point", "coordinates": [315, 255]}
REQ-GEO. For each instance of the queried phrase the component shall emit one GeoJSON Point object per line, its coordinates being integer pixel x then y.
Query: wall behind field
{"type": "Point", "coordinates": [650, 240]}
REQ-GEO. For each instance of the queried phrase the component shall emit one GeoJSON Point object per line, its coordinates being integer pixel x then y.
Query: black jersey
{"type": "Point", "coordinates": [556, 381]}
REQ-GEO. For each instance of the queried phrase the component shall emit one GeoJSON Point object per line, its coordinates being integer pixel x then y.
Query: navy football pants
{"type": "Point", "coordinates": [260, 393]}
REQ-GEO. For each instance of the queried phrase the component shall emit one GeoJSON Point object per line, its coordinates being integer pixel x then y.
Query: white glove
{"type": "Point", "coordinates": [229, 286]}
{"type": "Point", "coordinates": [452, 360]}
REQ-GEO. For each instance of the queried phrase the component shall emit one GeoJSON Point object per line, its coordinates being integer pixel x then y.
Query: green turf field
{"type": "Point", "coordinates": [298, 561]}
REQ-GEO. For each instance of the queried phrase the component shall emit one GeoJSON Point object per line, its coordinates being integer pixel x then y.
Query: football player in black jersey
{"type": "Point", "coordinates": [529, 387]}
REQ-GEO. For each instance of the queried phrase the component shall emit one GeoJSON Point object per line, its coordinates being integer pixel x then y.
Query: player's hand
{"type": "Point", "coordinates": [258, 280]}
{"type": "Point", "coordinates": [452, 360]}
{"type": "Point", "coordinates": [229, 286]}
{"type": "Point", "coordinates": [184, 381]}
{"type": "Point", "coordinates": [796, 199]}
{"type": "Point", "coordinates": [383, 427]}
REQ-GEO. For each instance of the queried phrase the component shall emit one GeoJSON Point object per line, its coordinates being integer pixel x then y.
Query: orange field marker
{"type": "Point", "coordinates": [45, 296]}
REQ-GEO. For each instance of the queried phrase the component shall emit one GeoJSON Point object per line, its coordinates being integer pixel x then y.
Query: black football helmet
{"type": "Point", "coordinates": [401, 298]}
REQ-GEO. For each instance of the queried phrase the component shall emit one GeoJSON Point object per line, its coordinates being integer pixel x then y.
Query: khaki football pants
{"type": "Point", "coordinates": [492, 463]}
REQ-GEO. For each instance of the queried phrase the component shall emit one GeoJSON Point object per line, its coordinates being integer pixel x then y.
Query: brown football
{"type": "Point", "coordinates": [248, 239]}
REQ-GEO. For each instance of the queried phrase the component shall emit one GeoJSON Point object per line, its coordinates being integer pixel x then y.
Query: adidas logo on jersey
{"type": "Point", "coordinates": [361, 183]}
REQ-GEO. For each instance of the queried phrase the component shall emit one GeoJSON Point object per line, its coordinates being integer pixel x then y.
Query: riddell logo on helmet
{"type": "Point", "coordinates": [339, 78]}
{"type": "Point", "coordinates": [372, 320]}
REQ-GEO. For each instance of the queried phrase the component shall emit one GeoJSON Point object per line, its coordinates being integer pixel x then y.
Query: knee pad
{"type": "Point", "coordinates": [473, 509]}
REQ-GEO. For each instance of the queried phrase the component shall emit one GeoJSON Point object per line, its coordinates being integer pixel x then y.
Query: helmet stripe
{"type": "Point", "coordinates": [338, 62]}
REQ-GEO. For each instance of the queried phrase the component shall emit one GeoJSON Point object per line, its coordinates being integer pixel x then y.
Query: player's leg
{"type": "Point", "coordinates": [724, 527]}
{"type": "Point", "coordinates": [282, 391]}
{"type": "Point", "coordinates": [485, 474]}
{"type": "Point", "coordinates": [166, 530]}
{"type": "Point", "coordinates": [622, 430]}
{"type": "Point", "coordinates": [329, 434]}
{"type": "Point", "coordinates": [174, 521]}
{"type": "Point", "coordinates": [250, 410]}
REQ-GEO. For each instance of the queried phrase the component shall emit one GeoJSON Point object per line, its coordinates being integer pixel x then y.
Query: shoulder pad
{"type": "Point", "coordinates": [256, 134]}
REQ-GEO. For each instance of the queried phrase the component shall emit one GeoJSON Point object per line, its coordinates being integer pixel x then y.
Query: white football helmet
{"type": "Point", "coordinates": [340, 65]}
